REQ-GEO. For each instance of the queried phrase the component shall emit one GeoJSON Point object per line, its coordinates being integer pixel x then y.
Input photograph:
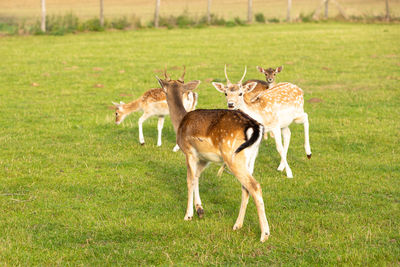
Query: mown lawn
{"type": "Point", "coordinates": [76, 189]}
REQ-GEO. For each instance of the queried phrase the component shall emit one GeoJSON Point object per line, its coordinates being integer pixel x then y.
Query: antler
{"type": "Point", "coordinates": [183, 75]}
{"type": "Point", "coordinates": [165, 74]}
{"type": "Point", "coordinates": [226, 76]}
{"type": "Point", "coordinates": [244, 74]}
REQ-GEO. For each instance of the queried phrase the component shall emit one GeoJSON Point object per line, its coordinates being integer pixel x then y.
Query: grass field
{"type": "Point", "coordinates": [144, 9]}
{"type": "Point", "coordinates": [75, 189]}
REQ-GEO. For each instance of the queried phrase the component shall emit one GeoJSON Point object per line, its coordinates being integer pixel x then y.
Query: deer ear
{"type": "Point", "coordinates": [260, 69]}
{"type": "Point", "coordinates": [250, 87]}
{"type": "Point", "coordinates": [279, 69]}
{"type": "Point", "coordinates": [191, 85]}
{"type": "Point", "coordinates": [219, 86]}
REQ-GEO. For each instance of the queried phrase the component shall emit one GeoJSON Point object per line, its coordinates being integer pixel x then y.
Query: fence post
{"type": "Point", "coordinates": [289, 8]}
{"type": "Point", "coordinates": [209, 12]}
{"type": "Point", "coordinates": [387, 10]}
{"type": "Point", "coordinates": [43, 24]}
{"type": "Point", "coordinates": [250, 12]}
{"type": "Point", "coordinates": [101, 13]}
{"type": "Point", "coordinates": [156, 13]}
{"type": "Point", "coordinates": [326, 8]}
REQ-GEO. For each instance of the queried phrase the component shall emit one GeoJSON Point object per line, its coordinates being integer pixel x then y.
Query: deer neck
{"type": "Point", "coordinates": [176, 109]}
{"type": "Point", "coordinates": [251, 110]}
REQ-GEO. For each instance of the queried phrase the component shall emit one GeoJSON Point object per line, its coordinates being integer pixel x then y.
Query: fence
{"type": "Point", "coordinates": [245, 9]}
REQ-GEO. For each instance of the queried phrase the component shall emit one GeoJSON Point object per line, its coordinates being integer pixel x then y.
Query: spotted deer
{"type": "Point", "coordinates": [152, 103]}
{"type": "Point", "coordinates": [275, 108]}
{"type": "Point", "coordinates": [216, 135]}
{"type": "Point", "coordinates": [270, 77]}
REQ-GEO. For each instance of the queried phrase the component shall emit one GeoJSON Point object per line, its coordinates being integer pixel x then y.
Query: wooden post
{"type": "Point", "coordinates": [326, 9]}
{"type": "Point", "coordinates": [250, 12]}
{"type": "Point", "coordinates": [289, 8]}
{"type": "Point", "coordinates": [387, 10]}
{"type": "Point", "coordinates": [209, 12]}
{"type": "Point", "coordinates": [101, 13]}
{"type": "Point", "coordinates": [156, 13]}
{"type": "Point", "coordinates": [43, 24]}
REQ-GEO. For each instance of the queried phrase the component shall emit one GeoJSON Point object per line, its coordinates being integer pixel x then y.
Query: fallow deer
{"type": "Point", "coordinates": [152, 103]}
{"type": "Point", "coordinates": [216, 135]}
{"type": "Point", "coordinates": [270, 77]}
{"type": "Point", "coordinates": [275, 108]}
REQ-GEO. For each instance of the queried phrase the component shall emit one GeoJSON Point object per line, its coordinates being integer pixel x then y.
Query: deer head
{"type": "Point", "coordinates": [270, 73]}
{"type": "Point", "coordinates": [120, 113]}
{"type": "Point", "coordinates": [235, 92]}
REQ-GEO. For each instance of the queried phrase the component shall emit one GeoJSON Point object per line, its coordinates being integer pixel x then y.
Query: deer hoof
{"type": "Point", "coordinates": [264, 237]}
{"type": "Point", "coordinates": [309, 156]}
{"type": "Point", "coordinates": [237, 227]}
{"type": "Point", "coordinates": [142, 144]}
{"type": "Point", "coordinates": [188, 218]}
{"type": "Point", "coordinates": [200, 212]}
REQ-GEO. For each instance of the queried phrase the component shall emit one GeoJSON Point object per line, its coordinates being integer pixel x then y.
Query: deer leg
{"type": "Point", "coordinates": [160, 126]}
{"type": "Point", "coordinates": [194, 168]}
{"type": "Point", "coordinates": [142, 119]}
{"type": "Point", "coordinates": [286, 141]}
{"type": "Point", "coordinates": [201, 165]}
{"type": "Point", "coordinates": [242, 211]}
{"type": "Point", "coordinates": [246, 179]}
{"type": "Point", "coordinates": [279, 147]}
{"type": "Point", "coordinates": [304, 119]}
{"type": "Point", "coordinates": [176, 148]}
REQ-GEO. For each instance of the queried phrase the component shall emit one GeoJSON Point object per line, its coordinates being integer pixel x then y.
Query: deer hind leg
{"type": "Point", "coordinates": [142, 119]}
{"type": "Point", "coordinates": [242, 211]}
{"type": "Point", "coordinates": [281, 150]}
{"type": "Point", "coordinates": [286, 141]}
{"type": "Point", "coordinates": [160, 126]}
{"type": "Point", "coordinates": [241, 172]}
{"type": "Point", "coordinates": [304, 120]}
{"type": "Point", "coordinates": [194, 169]}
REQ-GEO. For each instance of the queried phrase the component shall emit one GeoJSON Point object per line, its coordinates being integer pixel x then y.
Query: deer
{"type": "Point", "coordinates": [275, 108]}
{"type": "Point", "coordinates": [216, 135]}
{"type": "Point", "coordinates": [270, 77]}
{"type": "Point", "coordinates": [153, 103]}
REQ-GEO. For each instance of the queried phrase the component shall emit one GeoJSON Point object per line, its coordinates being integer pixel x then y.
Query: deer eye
{"type": "Point", "coordinates": [116, 114]}
{"type": "Point", "coordinates": [240, 94]}
{"type": "Point", "coordinates": [226, 94]}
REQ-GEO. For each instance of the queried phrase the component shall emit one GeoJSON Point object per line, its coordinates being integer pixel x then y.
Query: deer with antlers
{"type": "Point", "coordinates": [152, 103]}
{"type": "Point", "coordinates": [216, 135]}
{"type": "Point", "coordinates": [275, 108]}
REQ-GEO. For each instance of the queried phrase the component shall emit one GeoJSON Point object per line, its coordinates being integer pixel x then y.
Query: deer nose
{"type": "Point", "coordinates": [270, 80]}
{"type": "Point", "coordinates": [230, 105]}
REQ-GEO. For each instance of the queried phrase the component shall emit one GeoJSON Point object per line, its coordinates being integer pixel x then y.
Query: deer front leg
{"type": "Point", "coordinates": [242, 211]}
{"type": "Point", "coordinates": [142, 119]}
{"type": "Point", "coordinates": [176, 148]}
{"type": "Point", "coordinates": [191, 163]}
{"type": "Point", "coordinates": [201, 165]}
{"type": "Point", "coordinates": [160, 126]}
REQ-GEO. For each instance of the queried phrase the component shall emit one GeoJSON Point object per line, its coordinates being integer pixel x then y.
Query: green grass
{"type": "Point", "coordinates": [75, 189]}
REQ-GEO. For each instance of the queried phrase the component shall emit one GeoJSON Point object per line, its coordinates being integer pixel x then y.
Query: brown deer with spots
{"type": "Point", "coordinates": [152, 103]}
{"type": "Point", "coordinates": [270, 77]}
{"type": "Point", "coordinates": [275, 108]}
{"type": "Point", "coordinates": [216, 135]}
